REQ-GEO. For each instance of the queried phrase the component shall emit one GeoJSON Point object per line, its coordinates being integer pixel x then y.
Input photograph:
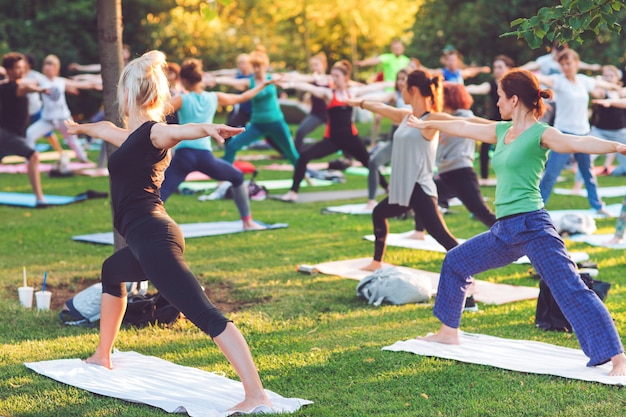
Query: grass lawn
{"type": "Point", "coordinates": [310, 335]}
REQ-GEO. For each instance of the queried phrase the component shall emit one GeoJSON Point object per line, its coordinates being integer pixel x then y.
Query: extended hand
{"type": "Point", "coordinates": [415, 122]}
{"type": "Point", "coordinates": [221, 132]}
{"type": "Point", "coordinates": [621, 149]}
{"type": "Point", "coordinates": [72, 127]}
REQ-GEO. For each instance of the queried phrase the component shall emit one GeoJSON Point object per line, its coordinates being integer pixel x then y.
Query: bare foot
{"type": "Point", "coordinates": [614, 241]}
{"type": "Point", "coordinates": [418, 235]}
{"type": "Point", "coordinates": [619, 365]}
{"type": "Point", "coordinates": [446, 335]}
{"type": "Point", "coordinates": [100, 360]}
{"type": "Point", "coordinates": [373, 266]}
{"type": "Point", "coordinates": [370, 204]}
{"type": "Point", "coordinates": [252, 225]}
{"type": "Point", "coordinates": [290, 196]}
{"type": "Point", "coordinates": [252, 406]}
{"type": "Point", "coordinates": [604, 212]}
{"type": "Point", "coordinates": [577, 187]}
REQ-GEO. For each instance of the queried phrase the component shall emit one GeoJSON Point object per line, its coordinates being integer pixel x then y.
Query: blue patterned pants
{"type": "Point", "coordinates": [530, 234]}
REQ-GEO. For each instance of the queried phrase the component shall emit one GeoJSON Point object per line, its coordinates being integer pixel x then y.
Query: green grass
{"type": "Point", "coordinates": [310, 335]}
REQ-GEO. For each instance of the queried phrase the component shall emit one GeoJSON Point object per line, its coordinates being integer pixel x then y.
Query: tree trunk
{"type": "Point", "coordinates": [110, 46]}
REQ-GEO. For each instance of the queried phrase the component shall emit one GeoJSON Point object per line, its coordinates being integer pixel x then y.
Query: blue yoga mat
{"type": "Point", "coordinates": [190, 230]}
{"type": "Point", "coordinates": [29, 200]}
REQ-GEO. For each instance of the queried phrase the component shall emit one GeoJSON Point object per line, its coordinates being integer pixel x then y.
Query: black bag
{"type": "Point", "coordinates": [142, 310]}
{"type": "Point", "coordinates": [549, 316]}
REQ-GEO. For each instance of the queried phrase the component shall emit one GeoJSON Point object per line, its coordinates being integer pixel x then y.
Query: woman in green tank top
{"type": "Point", "coordinates": [524, 227]}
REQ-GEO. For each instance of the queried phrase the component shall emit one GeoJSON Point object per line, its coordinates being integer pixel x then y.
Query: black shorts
{"type": "Point", "coordinates": [12, 144]}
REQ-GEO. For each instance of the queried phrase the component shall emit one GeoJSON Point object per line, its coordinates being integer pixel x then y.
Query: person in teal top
{"type": "Point", "coordinates": [199, 106]}
{"type": "Point", "coordinates": [267, 118]}
{"type": "Point", "coordinates": [524, 226]}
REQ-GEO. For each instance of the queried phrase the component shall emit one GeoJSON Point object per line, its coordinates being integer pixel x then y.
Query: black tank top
{"type": "Point", "coordinates": [339, 122]}
{"type": "Point", "coordinates": [493, 93]}
{"type": "Point", "coordinates": [608, 118]}
{"type": "Point", "coordinates": [136, 171]}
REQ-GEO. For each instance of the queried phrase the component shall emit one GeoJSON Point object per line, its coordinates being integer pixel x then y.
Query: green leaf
{"type": "Point", "coordinates": [518, 21]}
{"type": "Point", "coordinates": [585, 5]}
{"type": "Point", "coordinates": [610, 18]}
{"type": "Point", "coordinates": [589, 35]}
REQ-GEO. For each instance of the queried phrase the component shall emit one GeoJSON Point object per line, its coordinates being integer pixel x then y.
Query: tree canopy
{"type": "Point", "coordinates": [217, 31]}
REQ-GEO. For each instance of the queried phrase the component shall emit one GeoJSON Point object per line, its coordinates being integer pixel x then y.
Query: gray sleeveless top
{"type": "Point", "coordinates": [412, 161]}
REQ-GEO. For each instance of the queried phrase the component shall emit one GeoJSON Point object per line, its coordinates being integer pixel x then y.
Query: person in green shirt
{"type": "Point", "coordinates": [523, 226]}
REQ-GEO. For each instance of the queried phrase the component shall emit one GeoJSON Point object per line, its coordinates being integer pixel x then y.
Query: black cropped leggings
{"type": "Point", "coordinates": [424, 206]}
{"type": "Point", "coordinates": [349, 144]}
{"type": "Point", "coordinates": [155, 252]}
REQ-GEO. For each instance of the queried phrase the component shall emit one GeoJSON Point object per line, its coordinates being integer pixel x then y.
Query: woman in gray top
{"type": "Point", "coordinates": [455, 159]}
{"type": "Point", "coordinates": [413, 160]}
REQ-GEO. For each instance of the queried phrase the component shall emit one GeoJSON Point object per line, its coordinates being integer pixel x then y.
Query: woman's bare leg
{"type": "Point", "coordinates": [235, 348]}
{"type": "Point", "coordinates": [111, 314]}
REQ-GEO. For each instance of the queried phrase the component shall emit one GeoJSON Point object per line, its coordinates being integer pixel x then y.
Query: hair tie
{"type": "Point", "coordinates": [539, 93]}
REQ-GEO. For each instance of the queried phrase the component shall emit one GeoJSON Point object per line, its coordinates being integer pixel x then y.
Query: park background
{"type": "Point", "coordinates": [310, 335]}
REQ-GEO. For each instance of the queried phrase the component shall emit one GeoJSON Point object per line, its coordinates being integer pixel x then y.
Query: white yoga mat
{"type": "Point", "coordinates": [483, 291]}
{"type": "Point", "coordinates": [597, 240]}
{"type": "Point", "coordinates": [514, 355]}
{"type": "Point", "coordinates": [197, 186]}
{"type": "Point", "coordinates": [358, 209]}
{"type": "Point", "coordinates": [159, 383]}
{"type": "Point", "coordinates": [618, 191]}
{"type": "Point", "coordinates": [403, 240]}
{"type": "Point", "coordinates": [190, 230]}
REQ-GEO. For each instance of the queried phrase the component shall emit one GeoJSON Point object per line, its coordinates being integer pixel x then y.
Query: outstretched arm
{"type": "Point", "coordinates": [546, 80]}
{"type": "Point", "coordinates": [370, 88]}
{"type": "Point", "coordinates": [393, 113]}
{"type": "Point", "coordinates": [369, 62]}
{"type": "Point", "coordinates": [471, 72]}
{"type": "Point", "coordinates": [86, 68]}
{"type": "Point", "coordinates": [93, 83]}
{"type": "Point", "coordinates": [564, 143]}
{"type": "Point", "coordinates": [167, 136]}
{"type": "Point", "coordinates": [482, 132]}
{"type": "Point", "coordinates": [324, 93]}
{"type": "Point", "coordinates": [226, 99]}
{"type": "Point", "coordinates": [479, 89]}
{"type": "Point", "coordinates": [105, 130]}
{"type": "Point", "coordinates": [611, 102]}
{"type": "Point", "coordinates": [237, 83]}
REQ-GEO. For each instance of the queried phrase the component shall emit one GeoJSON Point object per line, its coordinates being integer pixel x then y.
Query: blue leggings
{"type": "Point", "coordinates": [187, 160]}
{"type": "Point", "coordinates": [530, 234]}
{"type": "Point", "coordinates": [155, 252]}
{"type": "Point", "coordinates": [278, 133]}
{"type": "Point", "coordinates": [555, 164]}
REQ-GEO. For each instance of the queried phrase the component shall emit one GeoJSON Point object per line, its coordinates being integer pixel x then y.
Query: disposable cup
{"type": "Point", "coordinates": [43, 300]}
{"type": "Point", "coordinates": [26, 296]}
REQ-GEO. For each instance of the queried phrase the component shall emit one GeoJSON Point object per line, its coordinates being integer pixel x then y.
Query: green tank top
{"type": "Point", "coordinates": [265, 106]}
{"type": "Point", "coordinates": [518, 167]}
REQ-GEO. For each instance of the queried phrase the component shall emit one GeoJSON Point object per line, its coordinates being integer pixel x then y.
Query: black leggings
{"type": "Point", "coordinates": [485, 148]}
{"type": "Point", "coordinates": [463, 184]}
{"type": "Point", "coordinates": [352, 145]}
{"type": "Point", "coordinates": [155, 252]}
{"type": "Point", "coordinates": [424, 206]}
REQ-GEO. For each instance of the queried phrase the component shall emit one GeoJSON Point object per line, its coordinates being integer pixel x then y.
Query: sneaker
{"type": "Point", "coordinates": [470, 304]}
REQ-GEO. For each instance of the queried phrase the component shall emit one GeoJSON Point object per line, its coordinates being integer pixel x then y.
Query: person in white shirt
{"type": "Point", "coordinates": [55, 109]}
{"type": "Point", "coordinates": [572, 101]}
